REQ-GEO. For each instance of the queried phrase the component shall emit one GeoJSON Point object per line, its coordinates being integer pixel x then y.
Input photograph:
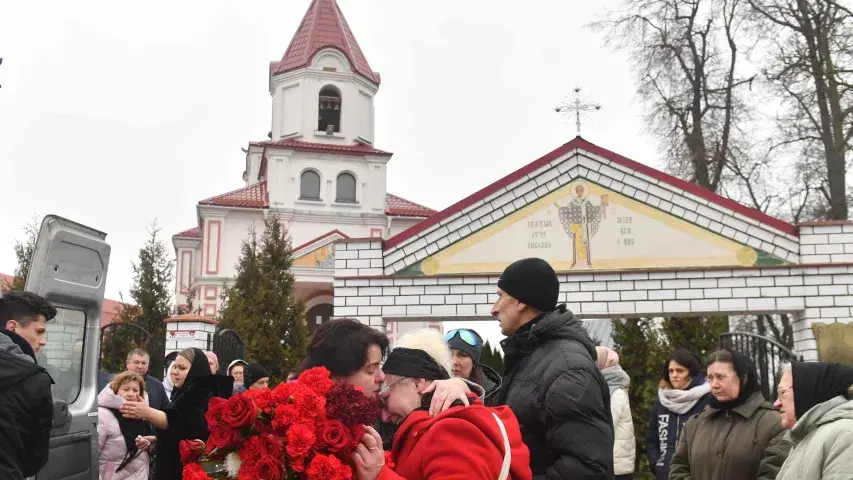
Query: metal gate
{"type": "Point", "coordinates": [118, 339]}
{"type": "Point", "coordinates": [227, 345]}
{"type": "Point", "coordinates": [767, 354]}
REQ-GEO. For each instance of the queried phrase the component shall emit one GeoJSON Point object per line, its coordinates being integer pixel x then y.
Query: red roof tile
{"type": "Point", "coordinates": [356, 149]}
{"type": "Point", "coordinates": [401, 207]}
{"type": "Point", "coordinates": [194, 232]}
{"type": "Point", "coordinates": [253, 196]}
{"type": "Point", "coordinates": [323, 26]}
{"type": "Point", "coordinates": [580, 143]}
{"type": "Point", "coordinates": [317, 239]}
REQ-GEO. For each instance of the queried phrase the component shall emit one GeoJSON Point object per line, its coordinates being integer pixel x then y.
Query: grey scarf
{"type": "Point", "coordinates": [681, 401]}
{"type": "Point", "coordinates": [616, 378]}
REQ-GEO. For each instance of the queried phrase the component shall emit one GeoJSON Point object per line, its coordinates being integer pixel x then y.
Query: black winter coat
{"type": "Point", "coordinates": [665, 428]}
{"type": "Point", "coordinates": [560, 398]}
{"type": "Point", "coordinates": [26, 409]}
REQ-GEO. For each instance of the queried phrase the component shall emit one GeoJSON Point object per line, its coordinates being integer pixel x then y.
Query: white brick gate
{"type": "Point", "coordinates": [686, 252]}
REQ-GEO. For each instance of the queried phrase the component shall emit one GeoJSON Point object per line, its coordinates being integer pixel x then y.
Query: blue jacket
{"type": "Point", "coordinates": [664, 429]}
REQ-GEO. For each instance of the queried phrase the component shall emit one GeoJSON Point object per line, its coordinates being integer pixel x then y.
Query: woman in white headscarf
{"type": "Point", "coordinates": [624, 445]}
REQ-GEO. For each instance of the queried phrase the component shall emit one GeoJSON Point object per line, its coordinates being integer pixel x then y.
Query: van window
{"type": "Point", "coordinates": [62, 357]}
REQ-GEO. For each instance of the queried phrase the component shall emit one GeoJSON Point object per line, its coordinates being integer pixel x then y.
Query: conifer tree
{"type": "Point", "coordinates": [260, 304]}
{"type": "Point", "coordinates": [492, 357]}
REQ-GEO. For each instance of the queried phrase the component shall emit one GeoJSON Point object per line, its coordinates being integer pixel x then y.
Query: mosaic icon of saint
{"type": "Point", "coordinates": [581, 219]}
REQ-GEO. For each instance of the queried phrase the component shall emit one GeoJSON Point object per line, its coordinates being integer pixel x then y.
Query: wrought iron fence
{"type": "Point", "coordinates": [118, 339]}
{"type": "Point", "coordinates": [227, 345]}
{"type": "Point", "coordinates": [767, 354]}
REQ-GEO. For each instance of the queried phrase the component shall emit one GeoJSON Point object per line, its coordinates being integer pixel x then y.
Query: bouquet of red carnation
{"type": "Point", "coordinates": [307, 428]}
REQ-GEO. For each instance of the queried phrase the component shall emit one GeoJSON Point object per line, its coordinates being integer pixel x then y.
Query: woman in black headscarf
{"type": "Point", "coordinates": [195, 385]}
{"type": "Point", "coordinates": [739, 435]}
{"type": "Point", "coordinates": [816, 403]}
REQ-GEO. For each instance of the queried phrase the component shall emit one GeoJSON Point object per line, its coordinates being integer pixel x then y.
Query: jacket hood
{"type": "Point", "coordinates": [838, 408]}
{"type": "Point", "coordinates": [482, 417]}
{"type": "Point", "coordinates": [558, 324]}
{"type": "Point", "coordinates": [108, 399]}
{"type": "Point", "coordinates": [15, 364]}
{"type": "Point", "coordinates": [492, 380]}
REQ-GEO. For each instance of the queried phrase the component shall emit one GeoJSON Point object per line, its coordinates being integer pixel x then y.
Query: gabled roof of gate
{"type": "Point", "coordinates": [579, 159]}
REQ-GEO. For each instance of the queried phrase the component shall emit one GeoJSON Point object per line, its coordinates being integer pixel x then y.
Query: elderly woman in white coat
{"type": "Point", "coordinates": [624, 446]}
{"type": "Point", "coordinates": [816, 403]}
{"type": "Point", "coordinates": [122, 443]}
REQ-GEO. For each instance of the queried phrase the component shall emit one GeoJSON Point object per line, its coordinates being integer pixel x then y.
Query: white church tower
{"type": "Point", "coordinates": [318, 171]}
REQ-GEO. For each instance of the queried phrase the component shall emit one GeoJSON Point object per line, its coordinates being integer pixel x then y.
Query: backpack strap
{"type": "Point", "coordinates": [507, 452]}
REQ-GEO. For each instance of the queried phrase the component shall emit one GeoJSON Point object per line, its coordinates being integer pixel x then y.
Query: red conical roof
{"type": "Point", "coordinates": [323, 26]}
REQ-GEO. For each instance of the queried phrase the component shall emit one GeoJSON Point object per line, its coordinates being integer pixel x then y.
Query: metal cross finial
{"type": "Point", "coordinates": [577, 107]}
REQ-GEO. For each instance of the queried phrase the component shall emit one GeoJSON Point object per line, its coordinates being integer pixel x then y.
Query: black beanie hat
{"type": "Point", "coordinates": [532, 282]}
{"type": "Point", "coordinates": [457, 343]}
{"type": "Point", "coordinates": [252, 373]}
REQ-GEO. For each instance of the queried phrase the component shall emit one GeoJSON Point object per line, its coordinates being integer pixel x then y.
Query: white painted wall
{"type": "Point", "coordinates": [296, 104]}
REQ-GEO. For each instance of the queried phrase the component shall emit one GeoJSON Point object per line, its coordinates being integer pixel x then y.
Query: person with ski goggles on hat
{"type": "Point", "coordinates": [466, 347]}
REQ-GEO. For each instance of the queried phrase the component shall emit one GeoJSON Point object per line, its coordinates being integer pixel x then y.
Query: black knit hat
{"type": "Point", "coordinates": [252, 373]}
{"type": "Point", "coordinates": [532, 282]}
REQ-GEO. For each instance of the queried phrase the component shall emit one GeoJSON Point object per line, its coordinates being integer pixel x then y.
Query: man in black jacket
{"type": "Point", "coordinates": [26, 405]}
{"type": "Point", "coordinates": [551, 381]}
{"type": "Point", "coordinates": [138, 361]}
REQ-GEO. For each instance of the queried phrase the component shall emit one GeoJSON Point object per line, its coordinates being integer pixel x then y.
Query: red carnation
{"type": "Point", "coordinates": [310, 404]}
{"type": "Point", "coordinates": [240, 411]}
{"type": "Point", "coordinates": [358, 432]}
{"type": "Point", "coordinates": [300, 439]}
{"type": "Point", "coordinates": [224, 438]}
{"type": "Point", "coordinates": [194, 471]}
{"type": "Point", "coordinates": [346, 472]}
{"type": "Point", "coordinates": [216, 412]}
{"type": "Point", "coordinates": [317, 379]}
{"type": "Point", "coordinates": [191, 450]}
{"type": "Point", "coordinates": [285, 415]}
{"type": "Point", "coordinates": [263, 399]}
{"type": "Point", "coordinates": [324, 467]}
{"type": "Point", "coordinates": [251, 450]}
{"type": "Point", "coordinates": [351, 407]}
{"type": "Point", "coordinates": [335, 435]}
{"type": "Point", "coordinates": [269, 468]}
{"type": "Point", "coordinates": [388, 462]}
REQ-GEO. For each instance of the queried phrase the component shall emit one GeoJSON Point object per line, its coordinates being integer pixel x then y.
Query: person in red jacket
{"type": "Point", "coordinates": [463, 442]}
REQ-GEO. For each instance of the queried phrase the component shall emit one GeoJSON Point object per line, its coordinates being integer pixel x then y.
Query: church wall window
{"type": "Point", "coordinates": [309, 185]}
{"type": "Point", "coordinates": [329, 109]}
{"type": "Point", "coordinates": [346, 186]}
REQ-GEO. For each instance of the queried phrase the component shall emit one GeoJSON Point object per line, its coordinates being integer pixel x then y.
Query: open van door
{"type": "Point", "coordinates": [69, 269]}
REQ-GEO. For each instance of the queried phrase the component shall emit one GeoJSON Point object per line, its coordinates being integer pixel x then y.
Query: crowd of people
{"type": "Point", "coordinates": [560, 410]}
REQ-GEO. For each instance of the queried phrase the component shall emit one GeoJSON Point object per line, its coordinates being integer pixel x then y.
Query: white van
{"type": "Point", "coordinates": [69, 269]}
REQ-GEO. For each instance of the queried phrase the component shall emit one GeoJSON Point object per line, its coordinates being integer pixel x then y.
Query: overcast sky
{"type": "Point", "coordinates": [114, 114]}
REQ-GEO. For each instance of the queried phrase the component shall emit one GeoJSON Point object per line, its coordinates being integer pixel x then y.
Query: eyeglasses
{"type": "Point", "coordinates": [387, 388]}
{"type": "Point", "coordinates": [783, 391]}
{"type": "Point", "coordinates": [467, 336]}
{"type": "Point", "coordinates": [718, 377]}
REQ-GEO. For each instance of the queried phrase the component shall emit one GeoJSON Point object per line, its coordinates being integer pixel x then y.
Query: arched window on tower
{"type": "Point", "coordinates": [345, 188]}
{"type": "Point", "coordinates": [309, 185]}
{"type": "Point", "coordinates": [330, 109]}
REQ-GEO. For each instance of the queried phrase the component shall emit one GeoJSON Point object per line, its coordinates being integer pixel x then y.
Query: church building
{"type": "Point", "coordinates": [319, 172]}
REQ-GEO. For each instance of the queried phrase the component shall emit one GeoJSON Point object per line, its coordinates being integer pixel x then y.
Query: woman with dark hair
{"type": "Point", "coordinates": [739, 435]}
{"type": "Point", "coordinates": [195, 385]}
{"type": "Point", "coordinates": [682, 394]}
{"type": "Point", "coordinates": [466, 347]}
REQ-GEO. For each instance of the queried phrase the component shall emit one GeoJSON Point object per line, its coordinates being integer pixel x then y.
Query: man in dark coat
{"type": "Point", "coordinates": [551, 381]}
{"type": "Point", "coordinates": [137, 362]}
{"type": "Point", "coordinates": [26, 404]}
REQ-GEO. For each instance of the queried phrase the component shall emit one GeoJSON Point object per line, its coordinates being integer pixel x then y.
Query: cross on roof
{"type": "Point", "coordinates": [576, 107]}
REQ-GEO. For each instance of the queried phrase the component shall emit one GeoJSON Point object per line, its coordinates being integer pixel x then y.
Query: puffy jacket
{"type": "Point", "coordinates": [823, 443]}
{"type": "Point", "coordinates": [624, 444]}
{"type": "Point", "coordinates": [745, 442]}
{"type": "Point", "coordinates": [562, 402]}
{"type": "Point", "coordinates": [26, 409]}
{"type": "Point", "coordinates": [422, 451]}
{"type": "Point", "coordinates": [490, 379]}
{"type": "Point", "coordinates": [665, 428]}
{"type": "Point", "coordinates": [111, 445]}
